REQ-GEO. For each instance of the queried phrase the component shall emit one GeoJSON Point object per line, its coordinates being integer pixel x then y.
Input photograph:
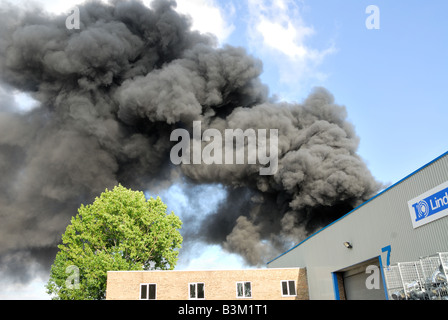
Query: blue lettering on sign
{"type": "Point", "coordinates": [431, 205]}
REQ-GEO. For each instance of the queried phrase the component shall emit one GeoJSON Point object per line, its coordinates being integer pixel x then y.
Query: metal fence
{"type": "Point", "coordinates": [425, 279]}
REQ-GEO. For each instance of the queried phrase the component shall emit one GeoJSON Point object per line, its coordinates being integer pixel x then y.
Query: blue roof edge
{"type": "Point", "coordinates": [362, 204]}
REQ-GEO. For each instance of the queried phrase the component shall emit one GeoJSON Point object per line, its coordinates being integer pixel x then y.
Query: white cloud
{"type": "Point", "coordinates": [213, 257]}
{"type": "Point", "coordinates": [280, 27]}
{"type": "Point", "coordinates": [278, 34]}
{"type": "Point", "coordinates": [24, 101]}
{"type": "Point", "coordinates": [207, 17]}
{"type": "Point", "coordinates": [281, 38]}
{"type": "Point", "coordinates": [35, 290]}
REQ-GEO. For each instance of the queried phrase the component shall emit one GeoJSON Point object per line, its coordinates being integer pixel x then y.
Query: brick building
{"type": "Point", "coordinates": [258, 284]}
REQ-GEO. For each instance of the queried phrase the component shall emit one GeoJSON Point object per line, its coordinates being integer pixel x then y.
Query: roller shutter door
{"type": "Point", "coordinates": [355, 282]}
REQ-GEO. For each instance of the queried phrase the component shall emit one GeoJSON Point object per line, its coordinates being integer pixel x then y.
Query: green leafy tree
{"type": "Point", "coordinates": [121, 230]}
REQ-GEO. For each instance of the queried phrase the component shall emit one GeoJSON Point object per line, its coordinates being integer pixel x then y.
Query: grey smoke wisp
{"type": "Point", "coordinates": [111, 93]}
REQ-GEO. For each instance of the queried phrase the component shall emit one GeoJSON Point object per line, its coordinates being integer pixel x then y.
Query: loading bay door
{"type": "Point", "coordinates": [362, 282]}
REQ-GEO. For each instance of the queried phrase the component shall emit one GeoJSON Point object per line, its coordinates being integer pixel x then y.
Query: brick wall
{"type": "Point", "coordinates": [219, 284]}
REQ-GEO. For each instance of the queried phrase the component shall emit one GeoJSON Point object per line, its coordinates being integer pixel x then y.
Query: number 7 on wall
{"type": "Point", "coordinates": [388, 250]}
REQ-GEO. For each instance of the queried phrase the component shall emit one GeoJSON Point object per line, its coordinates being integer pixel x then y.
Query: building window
{"type": "Point", "coordinates": [289, 288]}
{"type": "Point", "coordinates": [196, 290]}
{"type": "Point", "coordinates": [243, 289]}
{"type": "Point", "coordinates": [148, 291]}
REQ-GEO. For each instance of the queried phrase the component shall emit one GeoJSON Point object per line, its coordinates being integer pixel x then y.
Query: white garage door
{"type": "Point", "coordinates": [364, 281]}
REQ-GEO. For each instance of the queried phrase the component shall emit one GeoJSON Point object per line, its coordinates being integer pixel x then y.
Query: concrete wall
{"type": "Point", "coordinates": [219, 284]}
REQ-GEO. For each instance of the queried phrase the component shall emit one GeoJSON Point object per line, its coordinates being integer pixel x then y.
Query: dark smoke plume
{"type": "Point", "coordinates": [111, 92]}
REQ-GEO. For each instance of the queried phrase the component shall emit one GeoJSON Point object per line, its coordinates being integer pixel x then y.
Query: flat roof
{"type": "Point", "coordinates": [208, 270]}
{"type": "Point", "coordinates": [364, 203]}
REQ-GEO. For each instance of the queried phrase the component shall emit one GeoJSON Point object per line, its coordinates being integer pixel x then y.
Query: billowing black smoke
{"type": "Point", "coordinates": [111, 92]}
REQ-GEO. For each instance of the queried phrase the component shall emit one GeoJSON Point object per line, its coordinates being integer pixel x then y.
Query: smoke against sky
{"type": "Point", "coordinates": [109, 96]}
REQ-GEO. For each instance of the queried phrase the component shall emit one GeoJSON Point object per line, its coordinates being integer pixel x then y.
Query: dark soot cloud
{"type": "Point", "coordinates": [111, 93]}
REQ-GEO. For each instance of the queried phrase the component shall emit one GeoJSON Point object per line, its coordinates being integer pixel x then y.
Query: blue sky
{"type": "Point", "coordinates": [393, 81]}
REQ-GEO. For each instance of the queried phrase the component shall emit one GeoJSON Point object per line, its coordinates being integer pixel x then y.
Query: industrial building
{"type": "Point", "coordinates": [393, 246]}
